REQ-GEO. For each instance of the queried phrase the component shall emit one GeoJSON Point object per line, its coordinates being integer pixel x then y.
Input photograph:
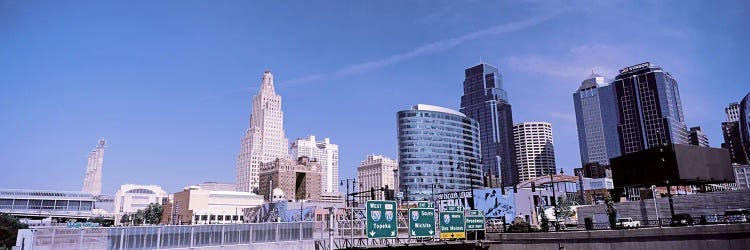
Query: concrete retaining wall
{"type": "Point", "coordinates": [696, 205]}
{"type": "Point", "coordinates": [713, 237]}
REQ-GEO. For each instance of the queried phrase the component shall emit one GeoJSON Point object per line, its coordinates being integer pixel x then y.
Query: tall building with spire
{"type": "Point", "coordinates": [264, 140]}
{"type": "Point", "coordinates": [486, 102]}
{"type": "Point", "coordinates": [92, 182]}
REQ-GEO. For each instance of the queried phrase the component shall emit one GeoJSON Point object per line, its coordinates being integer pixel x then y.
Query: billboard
{"type": "Point", "coordinates": [678, 163]}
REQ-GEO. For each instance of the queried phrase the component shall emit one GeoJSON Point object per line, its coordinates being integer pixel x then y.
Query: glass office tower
{"type": "Point", "coordinates": [485, 101]}
{"type": "Point", "coordinates": [596, 118]}
{"type": "Point", "coordinates": [650, 110]}
{"type": "Point", "coordinates": [744, 124]}
{"type": "Point", "coordinates": [438, 152]}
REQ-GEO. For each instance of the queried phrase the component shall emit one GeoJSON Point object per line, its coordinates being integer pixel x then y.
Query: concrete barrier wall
{"type": "Point", "coordinates": [713, 237]}
{"type": "Point", "coordinates": [696, 205]}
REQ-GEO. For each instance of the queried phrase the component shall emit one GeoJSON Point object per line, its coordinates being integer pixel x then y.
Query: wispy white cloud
{"type": "Point", "coordinates": [427, 49]}
{"type": "Point", "coordinates": [576, 64]}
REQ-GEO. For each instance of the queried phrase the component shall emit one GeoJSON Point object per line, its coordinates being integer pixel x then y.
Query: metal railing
{"type": "Point", "coordinates": [636, 224]}
{"type": "Point", "coordinates": [166, 237]}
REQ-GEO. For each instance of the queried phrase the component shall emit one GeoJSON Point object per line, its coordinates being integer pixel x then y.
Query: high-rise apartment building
{"type": "Point", "coordinates": [486, 102]}
{"type": "Point", "coordinates": [300, 179]}
{"type": "Point", "coordinates": [649, 108]}
{"type": "Point", "coordinates": [264, 140]}
{"type": "Point", "coordinates": [697, 137]}
{"type": "Point", "coordinates": [733, 112]}
{"type": "Point", "coordinates": [92, 182]}
{"type": "Point", "coordinates": [376, 172]}
{"type": "Point", "coordinates": [438, 152]}
{"type": "Point", "coordinates": [596, 118]}
{"type": "Point", "coordinates": [535, 151]}
{"type": "Point", "coordinates": [326, 153]}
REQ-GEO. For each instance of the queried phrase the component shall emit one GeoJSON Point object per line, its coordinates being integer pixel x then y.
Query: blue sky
{"type": "Point", "coordinates": [169, 83]}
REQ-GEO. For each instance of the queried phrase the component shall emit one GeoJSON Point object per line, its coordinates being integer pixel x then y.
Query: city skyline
{"type": "Point", "coordinates": [172, 93]}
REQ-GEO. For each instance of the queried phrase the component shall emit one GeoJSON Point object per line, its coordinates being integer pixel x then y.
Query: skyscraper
{"type": "Point", "coordinates": [649, 108]}
{"type": "Point", "coordinates": [733, 142]}
{"type": "Point", "coordinates": [486, 102]}
{"type": "Point", "coordinates": [735, 131]}
{"type": "Point", "coordinates": [326, 153]}
{"type": "Point", "coordinates": [744, 124]}
{"type": "Point", "coordinates": [697, 137]}
{"type": "Point", "coordinates": [264, 140]}
{"type": "Point", "coordinates": [92, 182]}
{"type": "Point", "coordinates": [535, 151]}
{"type": "Point", "coordinates": [596, 118]}
{"type": "Point", "coordinates": [376, 171]}
{"type": "Point", "coordinates": [438, 152]}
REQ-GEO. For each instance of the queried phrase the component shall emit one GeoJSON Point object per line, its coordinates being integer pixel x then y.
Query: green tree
{"type": "Point", "coordinates": [125, 219]}
{"type": "Point", "coordinates": [152, 214]}
{"type": "Point", "coordinates": [9, 226]}
{"type": "Point", "coordinates": [611, 212]}
{"type": "Point", "coordinates": [545, 222]}
{"type": "Point", "coordinates": [104, 222]}
{"type": "Point", "coordinates": [519, 226]}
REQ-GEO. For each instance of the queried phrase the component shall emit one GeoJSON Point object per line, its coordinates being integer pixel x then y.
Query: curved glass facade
{"type": "Point", "coordinates": [439, 150]}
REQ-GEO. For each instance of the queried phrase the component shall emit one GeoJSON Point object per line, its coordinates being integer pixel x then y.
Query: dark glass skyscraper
{"type": "Point", "coordinates": [485, 101]}
{"type": "Point", "coordinates": [649, 108]}
{"type": "Point", "coordinates": [744, 124]}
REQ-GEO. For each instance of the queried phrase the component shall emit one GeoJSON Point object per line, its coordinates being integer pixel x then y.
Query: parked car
{"type": "Point", "coordinates": [736, 215]}
{"type": "Point", "coordinates": [628, 223]}
{"type": "Point", "coordinates": [682, 220]}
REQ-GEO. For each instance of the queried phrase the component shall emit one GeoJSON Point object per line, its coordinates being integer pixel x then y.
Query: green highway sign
{"type": "Point", "coordinates": [422, 222]}
{"type": "Point", "coordinates": [381, 219]}
{"type": "Point", "coordinates": [475, 221]}
{"type": "Point", "coordinates": [454, 208]}
{"type": "Point", "coordinates": [452, 224]}
{"type": "Point", "coordinates": [424, 204]}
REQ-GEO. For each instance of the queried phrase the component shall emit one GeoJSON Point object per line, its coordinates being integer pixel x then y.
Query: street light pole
{"type": "Point", "coordinates": [349, 181]}
{"type": "Point", "coordinates": [554, 196]}
{"type": "Point", "coordinates": [653, 193]}
{"type": "Point", "coordinates": [669, 194]}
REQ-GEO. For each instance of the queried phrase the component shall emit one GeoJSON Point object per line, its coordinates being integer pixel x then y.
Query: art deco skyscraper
{"type": "Point", "coordinates": [264, 140]}
{"type": "Point", "coordinates": [596, 118]}
{"type": "Point", "coordinates": [92, 182]}
{"type": "Point", "coordinates": [650, 110]}
{"type": "Point", "coordinates": [485, 101]}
